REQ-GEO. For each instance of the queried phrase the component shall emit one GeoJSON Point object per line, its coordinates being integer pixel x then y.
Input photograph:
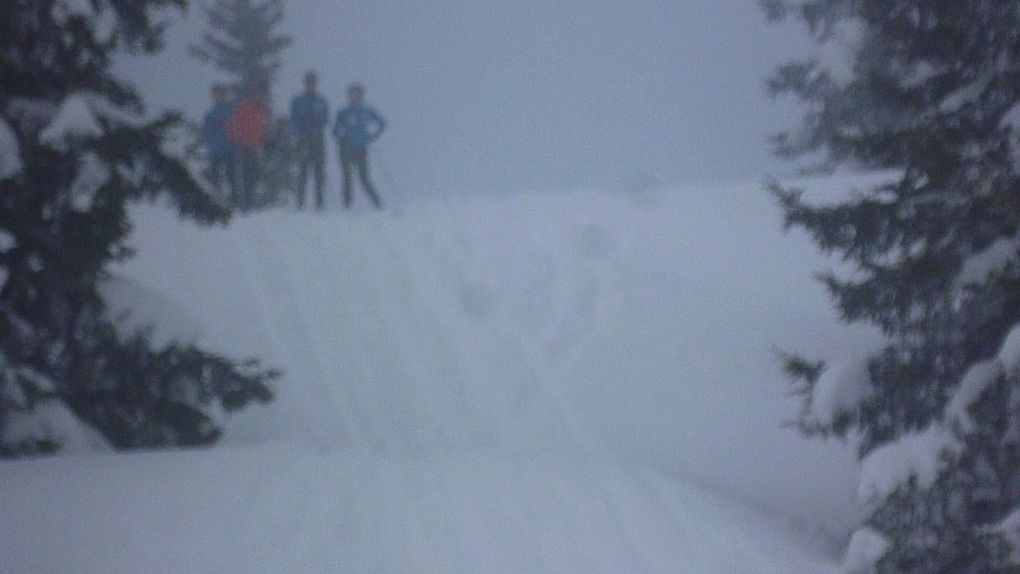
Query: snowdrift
{"type": "Point", "coordinates": [525, 384]}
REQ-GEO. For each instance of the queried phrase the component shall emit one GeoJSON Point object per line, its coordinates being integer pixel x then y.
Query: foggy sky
{"type": "Point", "coordinates": [499, 96]}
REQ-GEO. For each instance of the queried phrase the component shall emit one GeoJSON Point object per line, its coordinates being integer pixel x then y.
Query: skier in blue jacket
{"type": "Point", "coordinates": [220, 150]}
{"type": "Point", "coordinates": [308, 117]}
{"type": "Point", "coordinates": [356, 126]}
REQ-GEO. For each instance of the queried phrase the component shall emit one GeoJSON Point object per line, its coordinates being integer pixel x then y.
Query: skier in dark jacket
{"type": "Point", "coordinates": [220, 150]}
{"type": "Point", "coordinates": [308, 116]}
{"type": "Point", "coordinates": [356, 126]}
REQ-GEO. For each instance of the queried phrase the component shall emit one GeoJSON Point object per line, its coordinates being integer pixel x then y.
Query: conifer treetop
{"type": "Point", "coordinates": [243, 41]}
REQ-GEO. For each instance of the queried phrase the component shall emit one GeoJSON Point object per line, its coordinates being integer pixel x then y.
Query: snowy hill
{"type": "Point", "coordinates": [526, 384]}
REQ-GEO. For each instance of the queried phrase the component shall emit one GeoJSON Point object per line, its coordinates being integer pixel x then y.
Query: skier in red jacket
{"type": "Point", "coordinates": [246, 129]}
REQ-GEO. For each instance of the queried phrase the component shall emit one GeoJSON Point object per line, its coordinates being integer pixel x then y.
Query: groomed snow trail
{"type": "Point", "coordinates": [373, 344]}
{"type": "Point", "coordinates": [468, 460]}
{"type": "Point", "coordinates": [428, 429]}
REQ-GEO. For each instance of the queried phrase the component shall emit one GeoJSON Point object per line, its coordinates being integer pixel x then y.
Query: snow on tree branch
{"type": "Point", "coordinates": [866, 548]}
{"type": "Point", "coordinates": [915, 456]}
{"type": "Point", "coordinates": [840, 389]}
{"type": "Point", "coordinates": [74, 122]}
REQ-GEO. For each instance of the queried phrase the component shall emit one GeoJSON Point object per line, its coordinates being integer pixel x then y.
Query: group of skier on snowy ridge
{"type": "Point", "coordinates": [235, 135]}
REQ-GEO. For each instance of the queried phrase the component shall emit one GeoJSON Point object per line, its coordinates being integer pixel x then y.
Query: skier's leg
{"type": "Point", "coordinates": [302, 181]}
{"type": "Point", "coordinates": [257, 160]}
{"type": "Point", "coordinates": [235, 159]}
{"type": "Point", "coordinates": [251, 179]}
{"type": "Point", "coordinates": [232, 176]}
{"type": "Point", "coordinates": [243, 180]}
{"type": "Point", "coordinates": [216, 166]}
{"type": "Point", "coordinates": [347, 165]}
{"type": "Point", "coordinates": [366, 180]}
{"type": "Point", "coordinates": [319, 164]}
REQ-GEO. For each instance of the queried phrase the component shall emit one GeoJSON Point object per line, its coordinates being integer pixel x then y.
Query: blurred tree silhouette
{"type": "Point", "coordinates": [85, 151]}
{"type": "Point", "coordinates": [931, 92]}
{"type": "Point", "coordinates": [243, 41]}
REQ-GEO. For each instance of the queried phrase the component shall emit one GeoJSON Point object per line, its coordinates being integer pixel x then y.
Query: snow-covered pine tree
{"type": "Point", "coordinates": [243, 40]}
{"type": "Point", "coordinates": [74, 151]}
{"type": "Point", "coordinates": [932, 94]}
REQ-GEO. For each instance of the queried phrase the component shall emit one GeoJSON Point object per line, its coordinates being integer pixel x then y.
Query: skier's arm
{"type": "Point", "coordinates": [321, 114]}
{"type": "Point", "coordinates": [338, 126]}
{"type": "Point", "coordinates": [380, 124]}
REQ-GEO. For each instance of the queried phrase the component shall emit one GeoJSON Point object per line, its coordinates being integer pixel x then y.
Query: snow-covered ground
{"type": "Point", "coordinates": [572, 382]}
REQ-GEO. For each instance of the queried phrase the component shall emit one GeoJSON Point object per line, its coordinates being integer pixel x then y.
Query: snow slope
{"type": "Point", "coordinates": [289, 509]}
{"type": "Point", "coordinates": [526, 384]}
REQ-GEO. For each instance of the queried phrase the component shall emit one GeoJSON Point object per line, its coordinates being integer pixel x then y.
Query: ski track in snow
{"type": "Point", "coordinates": [398, 385]}
{"type": "Point", "coordinates": [440, 446]}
